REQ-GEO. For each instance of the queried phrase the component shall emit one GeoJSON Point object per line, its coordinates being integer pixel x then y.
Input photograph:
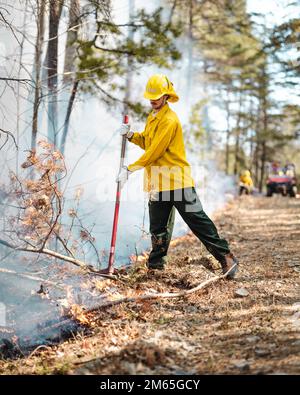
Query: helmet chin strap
{"type": "Point", "coordinates": [166, 97]}
{"type": "Point", "coordinates": [165, 100]}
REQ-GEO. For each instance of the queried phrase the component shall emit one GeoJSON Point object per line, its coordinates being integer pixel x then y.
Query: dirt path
{"type": "Point", "coordinates": [214, 331]}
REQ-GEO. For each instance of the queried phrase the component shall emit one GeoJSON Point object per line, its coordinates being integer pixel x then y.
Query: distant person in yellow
{"type": "Point", "coordinates": [246, 183]}
{"type": "Point", "coordinates": [168, 179]}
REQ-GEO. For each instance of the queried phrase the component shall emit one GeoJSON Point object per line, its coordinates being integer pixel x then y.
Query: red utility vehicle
{"type": "Point", "coordinates": [281, 180]}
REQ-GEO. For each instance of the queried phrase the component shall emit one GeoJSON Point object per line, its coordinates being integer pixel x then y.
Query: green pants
{"type": "Point", "coordinates": [162, 213]}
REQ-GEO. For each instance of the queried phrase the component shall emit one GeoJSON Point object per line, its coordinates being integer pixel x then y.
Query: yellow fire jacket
{"type": "Point", "coordinates": [164, 160]}
{"type": "Point", "coordinates": [245, 179]}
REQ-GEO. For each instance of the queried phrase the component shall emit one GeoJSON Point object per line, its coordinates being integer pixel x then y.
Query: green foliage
{"type": "Point", "coordinates": [104, 57]}
{"type": "Point", "coordinates": [286, 39]}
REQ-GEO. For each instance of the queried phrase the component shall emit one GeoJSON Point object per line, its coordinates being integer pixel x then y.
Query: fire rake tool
{"type": "Point", "coordinates": [110, 268]}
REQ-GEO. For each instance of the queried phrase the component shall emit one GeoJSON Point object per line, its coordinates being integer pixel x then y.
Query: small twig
{"type": "Point", "coordinates": [64, 245]}
{"type": "Point", "coordinates": [10, 135]}
{"type": "Point", "coordinates": [6, 140]}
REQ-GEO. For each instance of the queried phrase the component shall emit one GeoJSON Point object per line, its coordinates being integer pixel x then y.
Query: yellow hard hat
{"type": "Point", "coordinates": [159, 85]}
{"type": "Point", "coordinates": [247, 173]}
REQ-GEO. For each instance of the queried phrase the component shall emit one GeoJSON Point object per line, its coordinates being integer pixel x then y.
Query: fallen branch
{"type": "Point", "coordinates": [62, 324]}
{"type": "Point", "coordinates": [46, 251]}
{"type": "Point", "coordinates": [86, 361]}
{"type": "Point", "coordinates": [163, 295]}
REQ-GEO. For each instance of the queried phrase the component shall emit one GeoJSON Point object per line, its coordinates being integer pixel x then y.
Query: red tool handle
{"type": "Point", "coordinates": [117, 207]}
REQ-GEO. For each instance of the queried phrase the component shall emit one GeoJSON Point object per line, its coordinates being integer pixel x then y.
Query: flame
{"type": "Point", "coordinates": [138, 258]}
{"type": "Point", "coordinates": [75, 310]}
{"type": "Point", "coordinates": [79, 314]}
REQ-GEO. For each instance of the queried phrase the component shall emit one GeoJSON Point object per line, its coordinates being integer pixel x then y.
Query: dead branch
{"type": "Point", "coordinates": [64, 244]}
{"type": "Point", "coordinates": [21, 80]}
{"type": "Point", "coordinates": [164, 295]}
{"type": "Point", "coordinates": [68, 115]}
{"type": "Point", "coordinates": [6, 140]}
{"type": "Point", "coordinates": [10, 135]}
{"type": "Point", "coordinates": [46, 251]}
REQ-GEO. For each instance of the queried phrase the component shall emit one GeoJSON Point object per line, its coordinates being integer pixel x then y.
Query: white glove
{"type": "Point", "coordinates": [125, 130]}
{"type": "Point", "coordinates": [123, 176]}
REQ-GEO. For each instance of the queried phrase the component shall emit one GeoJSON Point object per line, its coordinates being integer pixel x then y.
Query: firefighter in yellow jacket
{"type": "Point", "coordinates": [246, 183]}
{"type": "Point", "coordinates": [167, 178]}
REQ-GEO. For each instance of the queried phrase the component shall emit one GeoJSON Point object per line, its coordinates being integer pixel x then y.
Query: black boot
{"type": "Point", "coordinates": [230, 265]}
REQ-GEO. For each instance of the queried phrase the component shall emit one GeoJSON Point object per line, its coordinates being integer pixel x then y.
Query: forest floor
{"type": "Point", "coordinates": [250, 325]}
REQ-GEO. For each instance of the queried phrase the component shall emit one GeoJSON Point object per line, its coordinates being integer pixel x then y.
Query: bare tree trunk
{"type": "Point", "coordinates": [257, 146]}
{"type": "Point", "coordinates": [236, 152]}
{"type": "Point", "coordinates": [205, 114]}
{"type": "Point", "coordinates": [189, 77]}
{"type": "Point", "coordinates": [18, 101]}
{"type": "Point", "coordinates": [70, 53]}
{"type": "Point", "coordinates": [70, 67]}
{"type": "Point", "coordinates": [45, 63]}
{"type": "Point", "coordinates": [264, 145]}
{"type": "Point", "coordinates": [54, 16]}
{"type": "Point", "coordinates": [262, 165]}
{"type": "Point", "coordinates": [256, 164]}
{"type": "Point", "coordinates": [251, 152]}
{"type": "Point", "coordinates": [37, 62]}
{"type": "Point", "coordinates": [237, 137]}
{"type": "Point", "coordinates": [228, 133]}
{"type": "Point", "coordinates": [264, 105]}
{"type": "Point", "coordinates": [67, 120]}
{"type": "Point", "coordinates": [250, 134]}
